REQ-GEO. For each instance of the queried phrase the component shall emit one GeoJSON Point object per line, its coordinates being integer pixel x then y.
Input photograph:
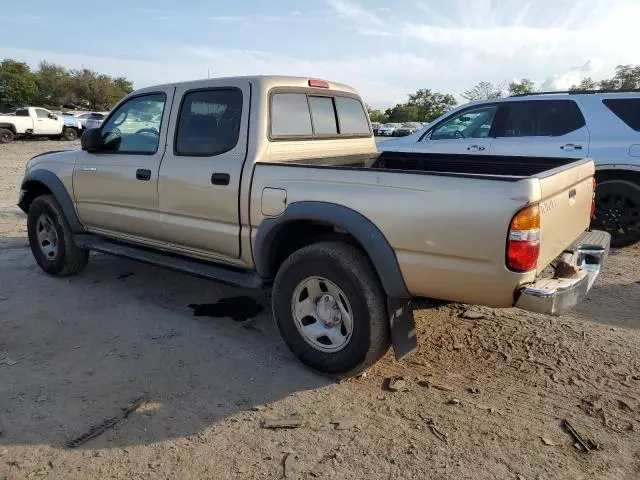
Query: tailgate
{"type": "Point", "coordinates": [565, 208]}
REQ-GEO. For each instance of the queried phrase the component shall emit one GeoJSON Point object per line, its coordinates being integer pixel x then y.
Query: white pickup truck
{"type": "Point", "coordinates": [35, 122]}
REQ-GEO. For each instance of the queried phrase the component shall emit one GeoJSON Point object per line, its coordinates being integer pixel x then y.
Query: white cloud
{"type": "Point", "coordinates": [352, 11]}
{"type": "Point", "coordinates": [444, 46]}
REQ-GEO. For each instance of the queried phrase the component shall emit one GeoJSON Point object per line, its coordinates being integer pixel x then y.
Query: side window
{"type": "Point", "coordinates": [290, 115]}
{"type": "Point", "coordinates": [209, 122]}
{"type": "Point", "coordinates": [324, 116]}
{"type": "Point", "coordinates": [547, 118]}
{"type": "Point", "coordinates": [22, 112]}
{"type": "Point", "coordinates": [135, 126]}
{"type": "Point", "coordinates": [474, 123]}
{"type": "Point", "coordinates": [352, 117]}
{"type": "Point", "coordinates": [626, 109]}
{"type": "Point", "coordinates": [42, 113]}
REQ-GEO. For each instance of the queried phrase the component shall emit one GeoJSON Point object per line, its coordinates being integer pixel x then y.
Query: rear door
{"type": "Point", "coordinates": [466, 132]}
{"type": "Point", "coordinates": [540, 128]}
{"type": "Point", "coordinates": [116, 189]}
{"type": "Point", "coordinates": [200, 175]}
{"type": "Point", "coordinates": [44, 124]}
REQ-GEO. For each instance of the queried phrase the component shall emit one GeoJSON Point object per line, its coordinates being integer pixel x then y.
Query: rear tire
{"type": "Point", "coordinates": [348, 279]}
{"type": "Point", "coordinates": [51, 239]}
{"type": "Point", "coordinates": [618, 211]}
{"type": "Point", "coordinates": [69, 134]}
{"type": "Point", "coordinates": [6, 135]}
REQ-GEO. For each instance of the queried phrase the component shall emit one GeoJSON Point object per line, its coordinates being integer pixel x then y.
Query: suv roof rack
{"type": "Point", "coordinates": [577, 92]}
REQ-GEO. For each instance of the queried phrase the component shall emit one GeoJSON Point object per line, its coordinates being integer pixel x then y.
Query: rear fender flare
{"type": "Point", "coordinates": [361, 228]}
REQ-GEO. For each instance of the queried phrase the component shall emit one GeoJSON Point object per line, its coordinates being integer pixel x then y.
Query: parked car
{"type": "Point", "coordinates": [72, 121]}
{"type": "Point", "coordinates": [35, 122]}
{"type": "Point", "coordinates": [94, 120]}
{"type": "Point", "coordinates": [238, 182]}
{"type": "Point", "coordinates": [599, 125]}
{"type": "Point", "coordinates": [388, 129]}
{"type": "Point", "coordinates": [407, 129]}
{"type": "Point", "coordinates": [375, 126]}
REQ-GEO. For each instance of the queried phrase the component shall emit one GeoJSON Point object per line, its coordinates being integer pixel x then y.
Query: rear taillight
{"type": "Point", "coordinates": [593, 198]}
{"type": "Point", "coordinates": [523, 244]}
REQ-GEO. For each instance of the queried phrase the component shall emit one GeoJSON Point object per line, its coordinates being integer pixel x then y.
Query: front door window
{"type": "Point", "coordinates": [135, 126]}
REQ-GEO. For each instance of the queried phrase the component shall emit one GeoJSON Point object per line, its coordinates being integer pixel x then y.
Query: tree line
{"type": "Point", "coordinates": [425, 105]}
{"type": "Point", "coordinates": [55, 87]}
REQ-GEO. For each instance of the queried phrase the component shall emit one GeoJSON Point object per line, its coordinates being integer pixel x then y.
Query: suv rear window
{"type": "Point", "coordinates": [626, 109]}
{"type": "Point", "coordinates": [539, 118]}
{"type": "Point", "coordinates": [302, 115]}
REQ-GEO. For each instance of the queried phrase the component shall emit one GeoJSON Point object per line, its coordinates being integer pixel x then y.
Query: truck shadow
{"type": "Point", "coordinates": [612, 304]}
{"type": "Point", "coordinates": [74, 352]}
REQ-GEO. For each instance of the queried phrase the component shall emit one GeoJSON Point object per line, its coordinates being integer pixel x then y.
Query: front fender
{"type": "Point", "coordinates": [58, 190]}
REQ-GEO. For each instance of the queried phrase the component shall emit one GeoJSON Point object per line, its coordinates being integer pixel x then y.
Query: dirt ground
{"type": "Point", "coordinates": [482, 398]}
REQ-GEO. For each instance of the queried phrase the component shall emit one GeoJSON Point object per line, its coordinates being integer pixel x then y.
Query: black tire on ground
{"type": "Point", "coordinates": [68, 259]}
{"type": "Point", "coordinates": [6, 135]}
{"type": "Point", "coordinates": [347, 268]}
{"type": "Point", "coordinates": [69, 134]}
{"type": "Point", "coordinates": [618, 211]}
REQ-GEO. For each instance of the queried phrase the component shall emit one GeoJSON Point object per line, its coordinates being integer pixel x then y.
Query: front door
{"type": "Point", "coordinates": [116, 188]}
{"type": "Point", "coordinates": [541, 128]}
{"type": "Point", "coordinates": [200, 176]}
{"type": "Point", "coordinates": [45, 125]}
{"type": "Point", "coordinates": [466, 132]}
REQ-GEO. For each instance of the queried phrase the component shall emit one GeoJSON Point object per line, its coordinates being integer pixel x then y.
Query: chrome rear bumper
{"type": "Point", "coordinates": [556, 296]}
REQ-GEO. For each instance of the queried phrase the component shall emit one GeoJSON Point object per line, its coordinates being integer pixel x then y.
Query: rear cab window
{"type": "Point", "coordinates": [626, 109]}
{"type": "Point", "coordinates": [298, 115]}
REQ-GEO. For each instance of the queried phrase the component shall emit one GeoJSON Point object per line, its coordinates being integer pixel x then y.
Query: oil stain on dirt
{"type": "Point", "coordinates": [240, 309]}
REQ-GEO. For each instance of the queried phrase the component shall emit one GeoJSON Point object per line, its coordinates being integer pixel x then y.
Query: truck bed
{"type": "Point", "coordinates": [491, 166]}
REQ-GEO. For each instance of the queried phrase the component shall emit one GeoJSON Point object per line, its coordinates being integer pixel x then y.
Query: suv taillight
{"type": "Point", "coordinates": [523, 244]}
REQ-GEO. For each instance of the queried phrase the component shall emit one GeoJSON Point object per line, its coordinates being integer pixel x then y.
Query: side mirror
{"type": "Point", "coordinates": [53, 116]}
{"type": "Point", "coordinates": [91, 140]}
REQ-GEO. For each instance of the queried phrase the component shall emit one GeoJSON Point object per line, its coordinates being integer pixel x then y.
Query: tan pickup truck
{"type": "Point", "coordinates": [275, 182]}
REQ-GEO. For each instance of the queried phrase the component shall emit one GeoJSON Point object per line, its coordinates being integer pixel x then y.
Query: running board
{"type": "Point", "coordinates": [219, 273]}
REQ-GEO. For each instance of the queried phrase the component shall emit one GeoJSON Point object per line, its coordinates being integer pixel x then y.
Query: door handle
{"type": "Point", "coordinates": [220, 178]}
{"type": "Point", "coordinates": [569, 147]}
{"type": "Point", "coordinates": [475, 148]}
{"type": "Point", "coordinates": [143, 174]}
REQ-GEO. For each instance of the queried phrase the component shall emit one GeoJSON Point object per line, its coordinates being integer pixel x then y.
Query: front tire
{"type": "Point", "coordinates": [69, 134]}
{"type": "Point", "coordinates": [51, 239]}
{"type": "Point", "coordinates": [330, 308]}
{"type": "Point", "coordinates": [6, 135]}
{"type": "Point", "coordinates": [618, 211]}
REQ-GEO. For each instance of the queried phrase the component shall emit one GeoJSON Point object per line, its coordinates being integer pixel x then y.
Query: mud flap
{"type": "Point", "coordinates": [403, 328]}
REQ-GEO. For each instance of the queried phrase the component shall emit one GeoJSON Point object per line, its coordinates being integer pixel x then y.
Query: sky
{"type": "Point", "coordinates": [385, 49]}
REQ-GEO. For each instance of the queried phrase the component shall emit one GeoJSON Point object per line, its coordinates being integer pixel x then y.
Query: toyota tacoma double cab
{"type": "Point", "coordinates": [37, 122]}
{"type": "Point", "coordinates": [275, 182]}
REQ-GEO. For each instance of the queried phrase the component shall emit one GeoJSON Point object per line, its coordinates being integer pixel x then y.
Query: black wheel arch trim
{"type": "Point", "coordinates": [360, 227]}
{"type": "Point", "coordinates": [60, 193]}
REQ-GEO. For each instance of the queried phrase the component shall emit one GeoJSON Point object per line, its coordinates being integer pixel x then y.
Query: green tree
{"type": "Point", "coordinates": [522, 87]}
{"type": "Point", "coordinates": [587, 83]}
{"type": "Point", "coordinates": [627, 77]}
{"type": "Point", "coordinates": [430, 104]}
{"type": "Point", "coordinates": [17, 84]}
{"type": "Point", "coordinates": [484, 91]}
{"type": "Point", "coordinates": [98, 91]}
{"type": "Point", "coordinates": [377, 115]}
{"type": "Point", "coordinates": [404, 112]}
{"type": "Point", "coordinates": [53, 84]}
